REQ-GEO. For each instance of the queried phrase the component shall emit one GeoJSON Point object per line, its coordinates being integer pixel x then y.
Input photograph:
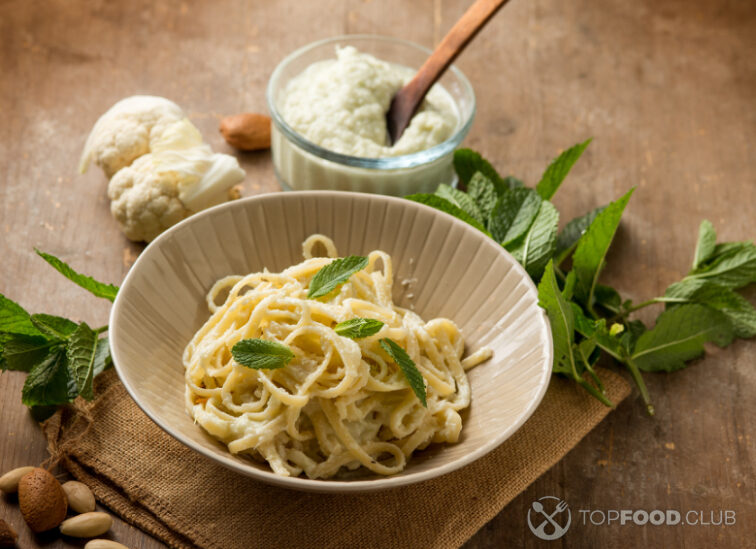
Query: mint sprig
{"type": "Point", "coordinates": [336, 273]}
{"type": "Point", "coordinates": [99, 289]}
{"type": "Point", "coordinates": [61, 356]}
{"type": "Point", "coordinates": [589, 318]}
{"type": "Point", "coordinates": [407, 366]}
{"type": "Point", "coordinates": [358, 328]}
{"type": "Point", "coordinates": [558, 169]}
{"type": "Point", "coordinates": [261, 354]}
{"type": "Point", "coordinates": [81, 352]}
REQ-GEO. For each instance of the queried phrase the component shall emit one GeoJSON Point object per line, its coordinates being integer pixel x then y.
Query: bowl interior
{"type": "Point", "coordinates": [443, 267]}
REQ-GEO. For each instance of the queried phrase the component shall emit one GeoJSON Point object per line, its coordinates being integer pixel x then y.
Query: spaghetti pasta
{"type": "Point", "coordinates": [340, 403]}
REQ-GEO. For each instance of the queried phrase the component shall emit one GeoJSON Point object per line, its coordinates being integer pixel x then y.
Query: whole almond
{"type": "Point", "coordinates": [42, 500]}
{"type": "Point", "coordinates": [9, 481]}
{"type": "Point", "coordinates": [246, 131]}
{"type": "Point", "coordinates": [104, 544]}
{"type": "Point", "coordinates": [80, 497]}
{"type": "Point", "coordinates": [8, 535]}
{"type": "Point", "coordinates": [87, 525]}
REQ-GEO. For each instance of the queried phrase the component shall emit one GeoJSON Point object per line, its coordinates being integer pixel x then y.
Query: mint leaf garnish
{"type": "Point", "coordinates": [468, 162]}
{"type": "Point", "coordinates": [81, 352]}
{"type": "Point", "coordinates": [570, 235]}
{"type": "Point", "coordinates": [707, 241]}
{"type": "Point", "coordinates": [334, 274]}
{"type": "Point", "coordinates": [513, 214]}
{"type": "Point", "coordinates": [535, 249]}
{"type": "Point", "coordinates": [261, 354]}
{"type": "Point", "coordinates": [733, 267]}
{"type": "Point", "coordinates": [47, 383]}
{"type": "Point", "coordinates": [445, 206]}
{"type": "Point", "coordinates": [556, 172]}
{"type": "Point", "coordinates": [679, 335]}
{"type": "Point", "coordinates": [735, 307]}
{"type": "Point", "coordinates": [482, 190]}
{"type": "Point", "coordinates": [14, 319]}
{"type": "Point", "coordinates": [102, 360]}
{"type": "Point", "coordinates": [462, 200]}
{"type": "Point", "coordinates": [55, 327]}
{"type": "Point", "coordinates": [570, 359]}
{"type": "Point", "coordinates": [407, 366]}
{"type": "Point", "coordinates": [589, 257]}
{"type": "Point", "coordinates": [22, 352]}
{"type": "Point", "coordinates": [562, 320]}
{"type": "Point", "coordinates": [608, 298]}
{"type": "Point", "coordinates": [357, 328]}
{"type": "Point", "coordinates": [108, 291]}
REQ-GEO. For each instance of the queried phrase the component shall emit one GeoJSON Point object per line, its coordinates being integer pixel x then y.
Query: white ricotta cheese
{"type": "Point", "coordinates": [341, 104]}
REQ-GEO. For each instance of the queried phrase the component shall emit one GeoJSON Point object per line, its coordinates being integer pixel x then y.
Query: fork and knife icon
{"type": "Point", "coordinates": [559, 530]}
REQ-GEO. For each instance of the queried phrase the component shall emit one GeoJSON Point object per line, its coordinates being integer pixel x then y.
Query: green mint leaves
{"type": "Point", "coordinates": [61, 356]}
{"type": "Point", "coordinates": [81, 353]}
{"type": "Point", "coordinates": [108, 291]}
{"type": "Point", "coordinates": [407, 366]}
{"type": "Point", "coordinates": [678, 336]}
{"type": "Point", "coordinates": [707, 241]}
{"type": "Point", "coordinates": [261, 354]}
{"type": "Point", "coordinates": [358, 328]}
{"type": "Point", "coordinates": [444, 205]}
{"type": "Point", "coordinates": [556, 172]}
{"type": "Point", "coordinates": [589, 318]}
{"type": "Point", "coordinates": [590, 254]}
{"type": "Point", "coordinates": [334, 274]}
{"type": "Point", "coordinates": [14, 319]}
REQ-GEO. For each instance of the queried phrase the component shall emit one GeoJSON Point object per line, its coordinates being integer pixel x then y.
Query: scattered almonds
{"type": "Point", "coordinates": [9, 481]}
{"type": "Point", "coordinates": [80, 497]}
{"type": "Point", "coordinates": [8, 535]}
{"type": "Point", "coordinates": [87, 525]}
{"type": "Point", "coordinates": [42, 500]}
{"type": "Point", "coordinates": [246, 131]}
{"type": "Point", "coordinates": [104, 544]}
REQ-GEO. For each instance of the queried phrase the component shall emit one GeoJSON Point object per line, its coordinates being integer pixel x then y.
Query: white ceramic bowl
{"type": "Point", "coordinates": [303, 165]}
{"type": "Point", "coordinates": [461, 274]}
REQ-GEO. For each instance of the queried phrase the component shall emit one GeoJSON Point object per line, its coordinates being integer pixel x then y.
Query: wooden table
{"type": "Point", "coordinates": [665, 88]}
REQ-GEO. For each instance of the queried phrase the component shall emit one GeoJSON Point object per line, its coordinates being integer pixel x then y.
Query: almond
{"type": "Point", "coordinates": [8, 535]}
{"type": "Point", "coordinates": [9, 481]}
{"type": "Point", "coordinates": [80, 497]}
{"type": "Point", "coordinates": [42, 500]}
{"type": "Point", "coordinates": [104, 544]}
{"type": "Point", "coordinates": [246, 131]}
{"type": "Point", "coordinates": [87, 525]}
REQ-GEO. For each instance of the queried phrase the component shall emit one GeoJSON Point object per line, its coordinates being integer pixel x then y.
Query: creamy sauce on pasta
{"type": "Point", "coordinates": [341, 403]}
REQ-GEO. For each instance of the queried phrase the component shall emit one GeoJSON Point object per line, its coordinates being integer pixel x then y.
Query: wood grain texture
{"type": "Point", "coordinates": [666, 90]}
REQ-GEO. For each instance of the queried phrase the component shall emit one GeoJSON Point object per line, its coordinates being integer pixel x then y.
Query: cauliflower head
{"type": "Point", "coordinates": [136, 126]}
{"type": "Point", "coordinates": [160, 189]}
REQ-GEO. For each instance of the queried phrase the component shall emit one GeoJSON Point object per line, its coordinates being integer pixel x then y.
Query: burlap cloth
{"type": "Point", "coordinates": [185, 500]}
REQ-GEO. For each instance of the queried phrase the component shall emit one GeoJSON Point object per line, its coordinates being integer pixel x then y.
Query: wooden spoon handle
{"type": "Point", "coordinates": [408, 99]}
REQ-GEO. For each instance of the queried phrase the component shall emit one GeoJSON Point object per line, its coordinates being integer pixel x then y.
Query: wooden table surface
{"type": "Point", "coordinates": [665, 88]}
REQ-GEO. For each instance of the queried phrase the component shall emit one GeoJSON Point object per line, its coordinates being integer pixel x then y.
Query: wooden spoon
{"type": "Point", "coordinates": [407, 100]}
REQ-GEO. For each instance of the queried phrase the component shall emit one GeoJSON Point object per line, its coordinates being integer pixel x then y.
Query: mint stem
{"type": "Point", "coordinates": [592, 390]}
{"type": "Point", "coordinates": [624, 314]}
{"type": "Point", "coordinates": [638, 378]}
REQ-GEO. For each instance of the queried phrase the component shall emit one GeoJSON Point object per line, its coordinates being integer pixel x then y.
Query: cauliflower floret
{"type": "Point", "coordinates": [134, 127]}
{"type": "Point", "coordinates": [145, 203]}
{"type": "Point", "coordinates": [160, 189]}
